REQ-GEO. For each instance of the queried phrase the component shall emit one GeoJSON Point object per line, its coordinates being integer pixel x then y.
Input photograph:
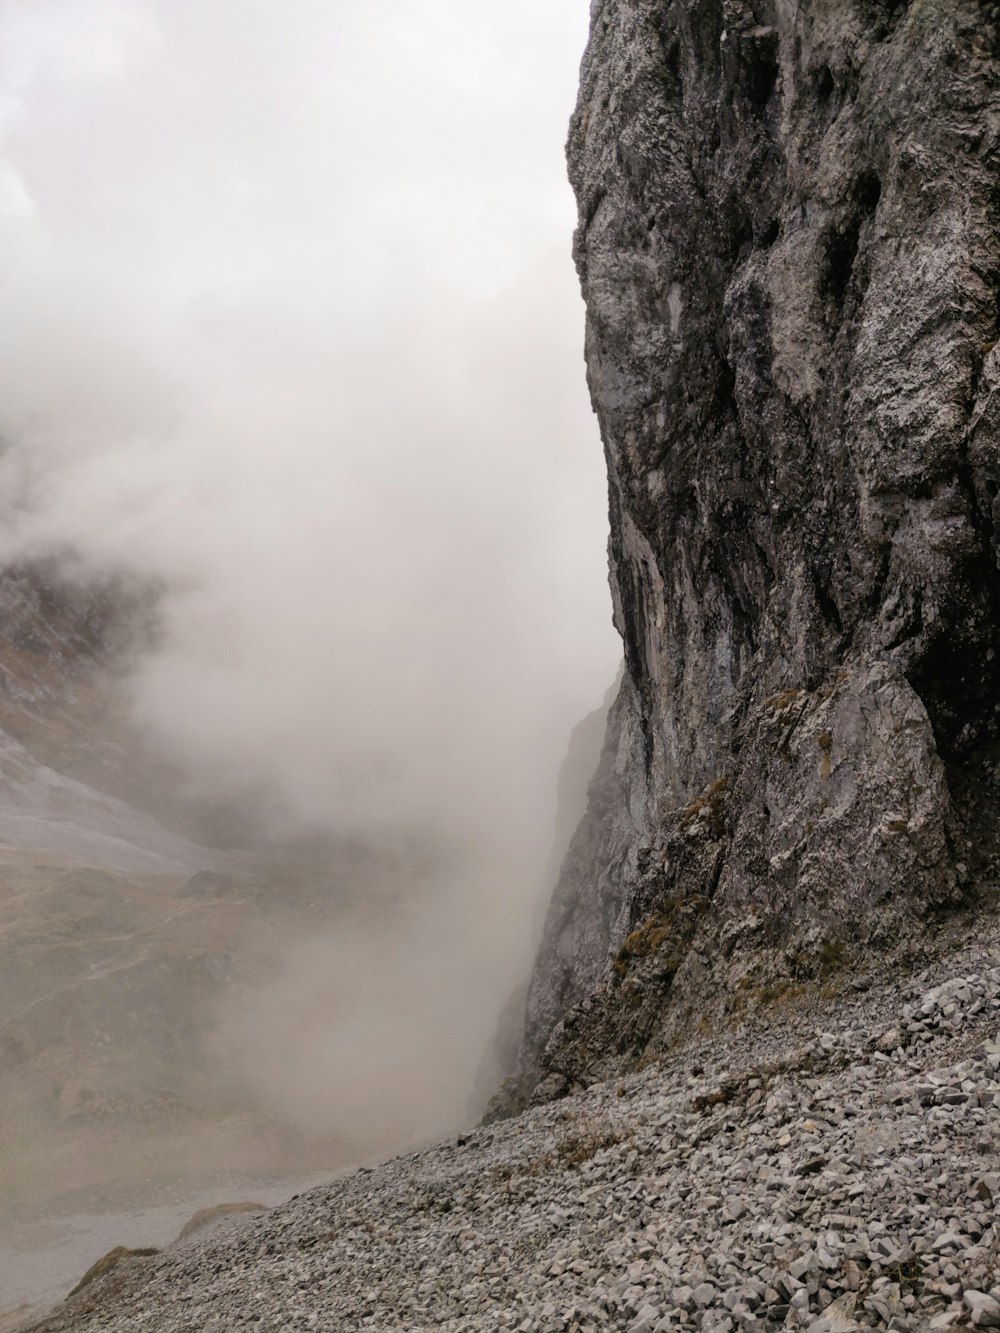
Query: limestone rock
{"type": "Point", "coordinates": [219, 1214]}
{"type": "Point", "coordinates": [789, 247]}
{"type": "Point", "coordinates": [120, 1254]}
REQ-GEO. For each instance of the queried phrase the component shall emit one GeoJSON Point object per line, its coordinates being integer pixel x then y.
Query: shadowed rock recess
{"type": "Point", "coordinates": [789, 247]}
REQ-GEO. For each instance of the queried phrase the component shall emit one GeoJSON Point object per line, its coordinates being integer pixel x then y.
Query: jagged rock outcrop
{"type": "Point", "coordinates": [789, 247]}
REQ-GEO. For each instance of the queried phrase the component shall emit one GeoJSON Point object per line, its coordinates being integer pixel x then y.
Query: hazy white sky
{"type": "Point", "coordinates": [290, 321]}
{"type": "Point", "coordinates": [290, 324]}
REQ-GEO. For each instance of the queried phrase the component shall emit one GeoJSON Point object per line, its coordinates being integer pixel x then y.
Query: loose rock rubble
{"type": "Point", "coordinates": [830, 1171]}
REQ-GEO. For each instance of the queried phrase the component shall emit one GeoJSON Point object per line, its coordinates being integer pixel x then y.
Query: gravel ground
{"type": "Point", "coordinates": [824, 1175]}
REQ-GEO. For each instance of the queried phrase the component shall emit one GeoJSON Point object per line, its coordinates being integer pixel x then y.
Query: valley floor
{"type": "Point", "coordinates": [832, 1168]}
{"type": "Point", "coordinates": [42, 1258]}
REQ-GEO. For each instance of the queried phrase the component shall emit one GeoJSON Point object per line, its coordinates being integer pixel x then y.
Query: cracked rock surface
{"type": "Point", "coordinates": [834, 1168]}
{"type": "Point", "coordinates": [789, 247]}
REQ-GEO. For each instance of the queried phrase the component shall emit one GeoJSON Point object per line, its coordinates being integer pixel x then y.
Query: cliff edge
{"type": "Point", "coordinates": [789, 248]}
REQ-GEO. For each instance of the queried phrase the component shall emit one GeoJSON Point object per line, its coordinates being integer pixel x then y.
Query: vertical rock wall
{"type": "Point", "coordinates": [789, 247]}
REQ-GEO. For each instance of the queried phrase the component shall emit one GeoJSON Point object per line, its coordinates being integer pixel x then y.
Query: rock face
{"type": "Point", "coordinates": [789, 247]}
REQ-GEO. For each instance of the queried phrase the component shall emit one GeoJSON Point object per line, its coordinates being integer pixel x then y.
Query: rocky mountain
{"type": "Point", "coordinates": [789, 247]}
{"type": "Point", "coordinates": [759, 1069]}
{"type": "Point", "coordinates": [127, 926]}
{"type": "Point", "coordinates": [74, 779]}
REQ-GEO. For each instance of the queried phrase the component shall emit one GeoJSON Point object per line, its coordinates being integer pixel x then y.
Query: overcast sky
{"type": "Point", "coordinates": [290, 321]}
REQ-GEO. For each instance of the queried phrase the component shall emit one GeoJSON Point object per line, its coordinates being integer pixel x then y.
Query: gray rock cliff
{"type": "Point", "coordinates": [789, 248]}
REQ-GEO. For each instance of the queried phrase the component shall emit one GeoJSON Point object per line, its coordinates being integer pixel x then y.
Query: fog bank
{"type": "Point", "coordinates": [291, 329]}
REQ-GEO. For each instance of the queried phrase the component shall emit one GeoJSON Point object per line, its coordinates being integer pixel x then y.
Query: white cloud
{"type": "Point", "coordinates": [57, 47]}
{"type": "Point", "coordinates": [292, 325]}
{"type": "Point", "coordinates": [296, 297]}
{"type": "Point", "coordinates": [15, 201]}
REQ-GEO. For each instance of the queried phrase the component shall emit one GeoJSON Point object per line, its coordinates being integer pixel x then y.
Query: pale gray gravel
{"type": "Point", "coordinates": [828, 1171]}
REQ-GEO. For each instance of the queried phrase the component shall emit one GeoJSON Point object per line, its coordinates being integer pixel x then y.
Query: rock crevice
{"type": "Point", "coordinates": [790, 255]}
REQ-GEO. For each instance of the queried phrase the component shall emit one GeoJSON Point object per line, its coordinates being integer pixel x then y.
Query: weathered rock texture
{"type": "Point", "coordinates": [826, 1180]}
{"type": "Point", "coordinates": [789, 246]}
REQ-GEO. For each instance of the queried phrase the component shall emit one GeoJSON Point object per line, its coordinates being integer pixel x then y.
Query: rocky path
{"type": "Point", "coordinates": [830, 1171]}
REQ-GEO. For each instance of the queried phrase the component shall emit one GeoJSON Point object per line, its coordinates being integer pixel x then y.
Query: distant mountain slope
{"type": "Point", "coordinates": [59, 640]}
{"type": "Point", "coordinates": [123, 936]}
